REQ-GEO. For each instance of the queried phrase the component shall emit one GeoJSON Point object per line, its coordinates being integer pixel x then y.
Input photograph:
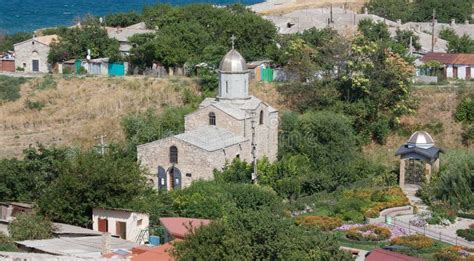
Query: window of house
{"type": "Point", "coordinates": [212, 118]}
{"type": "Point", "coordinates": [139, 222]}
{"type": "Point", "coordinates": [237, 156]}
{"type": "Point", "coordinates": [173, 154]}
{"type": "Point", "coordinates": [261, 118]}
{"type": "Point", "coordinates": [189, 175]}
{"type": "Point", "coordinates": [24, 65]}
{"type": "Point", "coordinates": [226, 87]}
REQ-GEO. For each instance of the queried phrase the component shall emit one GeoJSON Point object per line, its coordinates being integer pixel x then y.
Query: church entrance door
{"type": "Point", "coordinates": [174, 178]}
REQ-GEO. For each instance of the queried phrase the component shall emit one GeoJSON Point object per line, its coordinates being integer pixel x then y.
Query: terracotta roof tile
{"type": "Point", "coordinates": [450, 58]}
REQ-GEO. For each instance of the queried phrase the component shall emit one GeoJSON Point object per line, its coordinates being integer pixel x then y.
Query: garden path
{"type": "Point", "coordinates": [443, 233]}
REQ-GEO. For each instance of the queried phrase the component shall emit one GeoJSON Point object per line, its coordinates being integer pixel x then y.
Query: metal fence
{"type": "Point", "coordinates": [431, 233]}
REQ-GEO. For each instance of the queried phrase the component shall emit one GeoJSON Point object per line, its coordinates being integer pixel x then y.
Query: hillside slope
{"type": "Point", "coordinates": [78, 109]}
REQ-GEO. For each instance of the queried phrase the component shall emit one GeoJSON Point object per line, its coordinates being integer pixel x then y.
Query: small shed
{"type": "Point", "coordinates": [7, 62]}
{"type": "Point", "coordinates": [10, 210]}
{"type": "Point", "coordinates": [260, 70]}
{"type": "Point", "coordinates": [123, 223]}
{"type": "Point", "coordinates": [99, 66]}
{"type": "Point", "coordinates": [418, 158]}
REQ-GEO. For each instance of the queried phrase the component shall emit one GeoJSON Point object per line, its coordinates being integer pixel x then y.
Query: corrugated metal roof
{"type": "Point", "coordinates": [210, 138]}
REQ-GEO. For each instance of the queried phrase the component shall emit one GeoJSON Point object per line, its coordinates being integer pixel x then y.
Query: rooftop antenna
{"type": "Point", "coordinates": [233, 38]}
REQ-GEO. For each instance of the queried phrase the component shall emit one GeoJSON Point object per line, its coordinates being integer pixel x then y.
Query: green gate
{"type": "Point", "coordinates": [267, 74]}
{"type": "Point", "coordinates": [77, 64]}
{"type": "Point", "coordinates": [116, 69]}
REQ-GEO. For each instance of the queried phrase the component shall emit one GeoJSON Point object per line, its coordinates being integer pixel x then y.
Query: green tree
{"type": "Point", "coordinates": [261, 235]}
{"type": "Point", "coordinates": [27, 179]}
{"type": "Point", "coordinates": [122, 19]}
{"type": "Point", "coordinates": [405, 36]}
{"type": "Point", "coordinates": [446, 10]}
{"type": "Point", "coordinates": [186, 32]}
{"type": "Point", "coordinates": [28, 226]}
{"type": "Point", "coordinates": [391, 9]}
{"type": "Point", "coordinates": [10, 88]}
{"type": "Point", "coordinates": [454, 183]}
{"type": "Point", "coordinates": [148, 126]}
{"type": "Point", "coordinates": [90, 180]}
{"type": "Point", "coordinates": [7, 41]}
{"type": "Point", "coordinates": [74, 42]}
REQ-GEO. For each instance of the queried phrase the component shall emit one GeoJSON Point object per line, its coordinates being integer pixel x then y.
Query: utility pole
{"type": "Point", "coordinates": [254, 151]}
{"type": "Point", "coordinates": [433, 31]}
{"type": "Point", "coordinates": [332, 21]}
{"type": "Point", "coordinates": [411, 45]}
{"type": "Point", "coordinates": [102, 146]}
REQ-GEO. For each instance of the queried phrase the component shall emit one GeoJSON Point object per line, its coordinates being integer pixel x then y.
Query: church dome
{"type": "Point", "coordinates": [421, 139]}
{"type": "Point", "coordinates": [233, 62]}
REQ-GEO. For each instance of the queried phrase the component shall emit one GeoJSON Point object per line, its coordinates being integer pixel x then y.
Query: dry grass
{"type": "Point", "coordinates": [291, 6]}
{"type": "Point", "coordinates": [80, 109]}
{"type": "Point", "coordinates": [436, 105]}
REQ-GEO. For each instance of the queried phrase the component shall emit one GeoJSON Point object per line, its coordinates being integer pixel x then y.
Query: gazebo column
{"type": "Point", "coordinates": [402, 173]}
{"type": "Point", "coordinates": [436, 165]}
{"type": "Point", "coordinates": [428, 172]}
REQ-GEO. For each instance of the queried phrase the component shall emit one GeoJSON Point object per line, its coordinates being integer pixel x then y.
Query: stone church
{"type": "Point", "coordinates": [222, 129]}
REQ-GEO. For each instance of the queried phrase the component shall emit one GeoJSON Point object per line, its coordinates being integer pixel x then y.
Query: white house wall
{"type": "Point", "coordinates": [449, 71]}
{"type": "Point", "coordinates": [130, 218]}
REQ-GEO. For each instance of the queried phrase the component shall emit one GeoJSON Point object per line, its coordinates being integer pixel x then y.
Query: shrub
{"type": "Point", "coordinates": [6, 243]}
{"type": "Point", "coordinates": [10, 88]}
{"type": "Point", "coordinates": [413, 241]}
{"type": "Point", "coordinates": [20, 69]}
{"type": "Point", "coordinates": [324, 223]}
{"type": "Point", "coordinates": [451, 253]}
{"type": "Point", "coordinates": [48, 82]}
{"type": "Point", "coordinates": [467, 233]}
{"type": "Point", "coordinates": [368, 233]}
{"type": "Point", "coordinates": [465, 110]}
{"type": "Point", "coordinates": [34, 105]}
{"type": "Point", "coordinates": [30, 227]}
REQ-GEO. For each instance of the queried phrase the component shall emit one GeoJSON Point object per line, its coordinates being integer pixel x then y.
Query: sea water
{"type": "Point", "coordinates": [28, 15]}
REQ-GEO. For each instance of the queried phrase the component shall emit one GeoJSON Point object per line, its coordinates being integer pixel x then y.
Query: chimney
{"type": "Point", "coordinates": [366, 11]}
{"type": "Point", "coordinates": [106, 244]}
{"type": "Point", "coordinates": [453, 22]}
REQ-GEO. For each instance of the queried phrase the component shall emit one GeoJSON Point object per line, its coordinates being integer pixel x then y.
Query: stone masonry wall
{"type": "Point", "coordinates": [191, 159]}
{"type": "Point", "coordinates": [31, 50]}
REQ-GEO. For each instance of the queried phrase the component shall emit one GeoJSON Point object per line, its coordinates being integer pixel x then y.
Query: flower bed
{"type": "Point", "coordinates": [368, 233]}
{"type": "Point", "coordinates": [324, 223]}
{"type": "Point", "coordinates": [413, 241]}
{"type": "Point", "coordinates": [394, 231]}
{"type": "Point", "coordinates": [391, 198]}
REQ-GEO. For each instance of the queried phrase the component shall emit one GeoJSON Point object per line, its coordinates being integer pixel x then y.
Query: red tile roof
{"type": "Point", "coordinates": [385, 255]}
{"type": "Point", "coordinates": [161, 253]}
{"type": "Point", "coordinates": [450, 58]}
{"type": "Point", "coordinates": [178, 227]}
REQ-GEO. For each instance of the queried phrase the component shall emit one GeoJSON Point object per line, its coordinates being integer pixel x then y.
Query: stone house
{"type": "Point", "coordinates": [32, 55]}
{"type": "Point", "coordinates": [123, 34]}
{"type": "Point", "coordinates": [232, 125]}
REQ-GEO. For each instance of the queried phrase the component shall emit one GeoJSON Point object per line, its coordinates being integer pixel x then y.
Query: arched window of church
{"type": "Point", "coordinates": [173, 154]}
{"type": "Point", "coordinates": [212, 118]}
{"type": "Point", "coordinates": [261, 118]}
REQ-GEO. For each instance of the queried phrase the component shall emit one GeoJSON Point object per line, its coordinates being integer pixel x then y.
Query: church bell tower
{"type": "Point", "coordinates": [233, 77]}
